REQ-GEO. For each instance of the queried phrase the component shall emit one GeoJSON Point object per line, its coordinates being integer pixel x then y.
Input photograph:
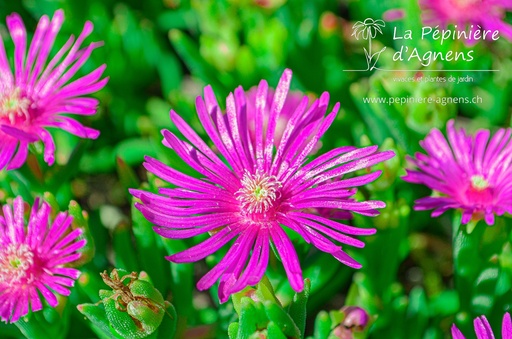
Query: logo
{"type": "Point", "coordinates": [407, 50]}
{"type": "Point", "coordinates": [367, 30]}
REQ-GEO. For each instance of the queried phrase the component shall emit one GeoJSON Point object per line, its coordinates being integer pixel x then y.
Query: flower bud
{"type": "Point", "coordinates": [133, 308]}
{"type": "Point", "coordinates": [356, 319]}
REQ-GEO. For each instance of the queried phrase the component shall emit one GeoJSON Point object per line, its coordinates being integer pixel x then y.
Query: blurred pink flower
{"type": "Point", "coordinates": [483, 329]}
{"type": "Point", "coordinates": [259, 187]}
{"type": "Point", "coordinates": [33, 258]}
{"type": "Point", "coordinates": [470, 173]}
{"type": "Point", "coordinates": [37, 94]}
{"type": "Point", "coordinates": [393, 14]}
{"type": "Point", "coordinates": [488, 14]}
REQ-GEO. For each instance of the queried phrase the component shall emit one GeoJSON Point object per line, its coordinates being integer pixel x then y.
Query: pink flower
{"type": "Point", "coordinates": [37, 91]}
{"type": "Point", "coordinates": [33, 258]}
{"type": "Point", "coordinates": [488, 14]}
{"type": "Point", "coordinates": [259, 188]}
{"type": "Point", "coordinates": [471, 173]}
{"type": "Point", "coordinates": [483, 329]}
{"type": "Point", "coordinates": [394, 14]}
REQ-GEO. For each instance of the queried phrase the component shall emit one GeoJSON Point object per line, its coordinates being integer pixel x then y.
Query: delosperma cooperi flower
{"type": "Point", "coordinates": [260, 188]}
{"type": "Point", "coordinates": [33, 258]}
{"type": "Point", "coordinates": [37, 92]}
{"type": "Point", "coordinates": [468, 15]}
{"type": "Point", "coordinates": [471, 173]}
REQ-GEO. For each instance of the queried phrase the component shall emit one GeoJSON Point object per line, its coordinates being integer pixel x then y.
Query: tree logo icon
{"type": "Point", "coordinates": [367, 30]}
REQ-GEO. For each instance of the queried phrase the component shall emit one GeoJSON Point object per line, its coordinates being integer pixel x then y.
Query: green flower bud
{"type": "Point", "coordinates": [134, 308]}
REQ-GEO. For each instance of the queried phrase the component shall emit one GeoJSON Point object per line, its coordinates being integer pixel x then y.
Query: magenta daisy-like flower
{"type": "Point", "coordinates": [258, 189]}
{"type": "Point", "coordinates": [488, 14]}
{"type": "Point", "coordinates": [39, 89]}
{"type": "Point", "coordinates": [33, 258]}
{"type": "Point", "coordinates": [483, 329]}
{"type": "Point", "coordinates": [471, 173]}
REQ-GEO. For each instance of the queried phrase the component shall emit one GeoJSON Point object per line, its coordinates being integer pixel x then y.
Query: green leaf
{"type": "Point", "coordinates": [417, 313]}
{"type": "Point", "coordinates": [445, 303]}
{"type": "Point", "coordinates": [127, 176]}
{"type": "Point", "coordinates": [248, 322]}
{"type": "Point", "coordinates": [233, 330]}
{"type": "Point", "coordinates": [133, 150]}
{"type": "Point", "coordinates": [96, 314]}
{"type": "Point", "coordinates": [265, 291]}
{"type": "Point", "coordinates": [485, 290]}
{"type": "Point", "coordinates": [188, 51]}
{"type": "Point", "coordinates": [279, 316]}
{"type": "Point", "coordinates": [31, 327]}
{"type": "Point", "coordinates": [148, 243]}
{"type": "Point", "coordinates": [323, 325]}
{"type": "Point", "coordinates": [81, 221]}
{"type": "Point", "coordinates": [182, 283]}
{"type": "Point", "coordinates": [274, 332]}
{"type": "Point", "coordinates": [126, 257]}
{"type": "Point", "coordinates": [467, 262]}
{"type": "Point", "coordinates": [170, 72]}
{"type": "Point", "coordinates": [297, 309]}
{"type": "Point", "coordinates": [168, 326]}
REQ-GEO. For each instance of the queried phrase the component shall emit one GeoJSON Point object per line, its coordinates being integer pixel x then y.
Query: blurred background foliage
{"type": "Point", "coordinates": [161, 53]}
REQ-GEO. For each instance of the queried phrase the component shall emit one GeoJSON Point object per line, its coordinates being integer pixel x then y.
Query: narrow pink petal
{"type": "Point", "coordinates": [238, 146]}
{"type": "Point", "coordinates": [74, 127]}
{"type": "Point", "coordinates": [46, 46]}
{"type": "Point", "coordinates": [483, 328]}
{"type": "Point", "coordinates": [456, 333]}
{"type": "Point", "coordinates": [19, 37]}
{"type": "Point", "coordinates": [257, 264]}
{"type": "Point", "coordinates": [37, 40]}
{"type": "Point", "coordinates": [288, 132]}
{"type": "Point", "coordinates": [288, 256]}
{"type": "Point", "coordinates": [49, 146]}
{"type": "Point", "coordinates": [261, 100]}
{"type": "Point", "coordinates": [7, 150]}
{"type": "Point", "coordinates": [506, 327]}
{"type": "Point", "coordinates": [6, 77]}
{"type": "Point", "coordinates": [49, 296]}
{"type": "Point", "coordinates": [18, 133]}
{"type": "Point", "coordinates": [19, 158]}
{"type": "Point", "coordinates": [277, 105]}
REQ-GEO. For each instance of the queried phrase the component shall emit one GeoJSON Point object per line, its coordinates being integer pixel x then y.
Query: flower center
{"type": "Point", "coordinates": [479, 191]}
{"type": "Point", "coordinates": [14, 107]}
{"type": "Point", "coordinates": [479, 183]}
{"type": "Point", "coordinates": [258, 192]}
{"type": "Point", "coordinates": [15, 262]}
